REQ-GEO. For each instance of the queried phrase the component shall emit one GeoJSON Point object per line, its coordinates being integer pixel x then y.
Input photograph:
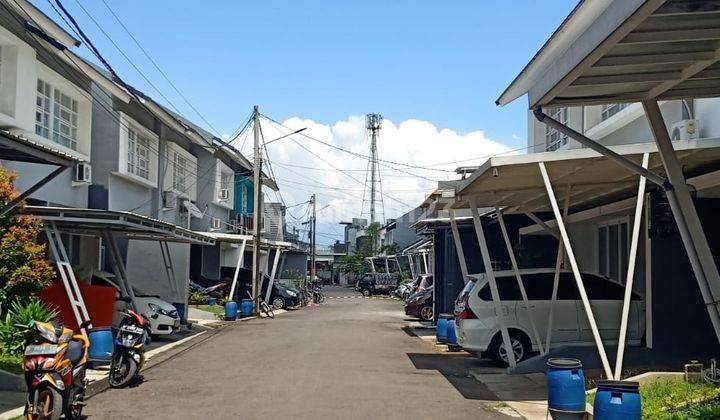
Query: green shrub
{"type": "Point", "coordinates": [11, 363]}
{"type": "Point", "coordinates": [12, 343]}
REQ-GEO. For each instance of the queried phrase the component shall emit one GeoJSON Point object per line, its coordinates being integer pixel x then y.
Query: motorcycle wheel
{"type": "Point", "coordinates": [49, 405]}
{"type": "Point", "coordinates": [122, 370]}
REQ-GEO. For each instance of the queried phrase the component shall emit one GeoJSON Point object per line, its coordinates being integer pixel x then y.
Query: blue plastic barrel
{"type": "Point", "coordinates": [451, 336]}
{"type": "Point", "coordinates": [617, 400]}
{"type": "Point", "coordinates": [101, 343]}
{"type": "Point", "coordinates": [441, 328]}
{"type": "Point", "coordinates": [231, 311]}
{"type": "Point", "coordinates": [246, 307]}
{"type": "Point", "coordinates": [565, 385]}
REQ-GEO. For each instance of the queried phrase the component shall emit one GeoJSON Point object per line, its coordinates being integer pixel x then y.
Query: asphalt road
{"type": "Point", "coordinates": [347, 359]}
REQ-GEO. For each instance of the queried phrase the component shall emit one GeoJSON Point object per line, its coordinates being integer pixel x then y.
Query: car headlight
{"type": "Point", "coordinates": [158, 310]}
{"type": "Point", "coordinates": [291, 293]}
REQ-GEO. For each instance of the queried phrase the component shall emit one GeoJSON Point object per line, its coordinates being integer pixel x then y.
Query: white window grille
{"type": "Point", "coordinates": [52, 104]}
{"type": "Point", "coordinates": [608, 110]}
{"type": "Point", "coordinates": [138, 159]}
{"type": "Point", "coordinates": [245, 199]}
{"type": "Point", "coordinates": [225, 181]}
{"type": "Point", "coordinates": [180, 173]}
{"type": "Point", "coordinates": [553, 138]}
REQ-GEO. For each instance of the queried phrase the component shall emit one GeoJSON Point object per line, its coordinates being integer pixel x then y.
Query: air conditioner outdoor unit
{"type": "Point", "coordinates": [685, 130]}
{"type": "Point", "coordinates": [224, 194]}
{"type": "Point", "coordinates": [169, 199]}
{"type": "Point", "coordinates": [83, 172]}
{"type": "Point", "coordinates": [215, 224]}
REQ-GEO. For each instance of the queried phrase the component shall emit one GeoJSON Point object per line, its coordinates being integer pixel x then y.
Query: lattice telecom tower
{"type": "Point", "coordinates": [373, 123]}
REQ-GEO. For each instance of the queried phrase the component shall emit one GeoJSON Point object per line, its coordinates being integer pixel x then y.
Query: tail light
{"type": "Point", "coordinates": [466, 312]}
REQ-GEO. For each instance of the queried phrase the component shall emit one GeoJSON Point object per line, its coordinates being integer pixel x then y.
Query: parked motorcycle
{"type": "Point", "coordinates": [129, 354]}
{"type": "Point", "coordinates": [54, 366]}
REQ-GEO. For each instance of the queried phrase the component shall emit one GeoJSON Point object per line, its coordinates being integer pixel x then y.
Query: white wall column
{"type": "Point", "coordinates": [576, 270]}
{"type": "Point", "coordinates": [631, 269]}
{"type": "Point", "coordinates": [493, 285]}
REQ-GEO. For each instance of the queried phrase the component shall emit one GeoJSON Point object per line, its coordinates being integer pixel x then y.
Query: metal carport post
{"type": "Point", "coordinates": [493, 285]}
{"type": "Point", "coordinates": [238, 266]}
{"type": "Point", "coordinates": [272, 274]}
{"type": "Point", "coordinates": [678, 196]}
{"type": "Point", "coordinates": [575, 270]}
{"type": "Point", "coordinates": [458, 245]}
{"type": "Point", "coordinates": [412, 264]}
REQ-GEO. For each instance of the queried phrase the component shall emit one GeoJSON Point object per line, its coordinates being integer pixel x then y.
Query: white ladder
{"type": "Point", "coordinates": [68, 276]}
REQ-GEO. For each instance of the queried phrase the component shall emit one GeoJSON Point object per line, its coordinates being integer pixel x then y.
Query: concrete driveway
{"type": "Point", "coordinates": [346, 359]}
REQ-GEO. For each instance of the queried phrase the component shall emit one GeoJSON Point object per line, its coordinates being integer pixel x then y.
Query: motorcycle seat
{"type": "Point", "coordinates": [75, 351]}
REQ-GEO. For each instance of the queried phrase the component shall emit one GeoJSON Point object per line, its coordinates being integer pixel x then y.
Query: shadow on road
{"type": "Point", "coordinates": [455, 369]}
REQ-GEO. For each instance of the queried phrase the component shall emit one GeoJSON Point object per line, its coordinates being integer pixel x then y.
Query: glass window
{"type": "Point", "coordinates": [553, 138]}
{"type": "Point", "coordinates": [613, 250]}
{"type": "Point", "coordinates": [52, 104]}
{"type": "Point", "coordinates": [539, 286]}
{"type": "Point", "coordinates": [180, 173]}
{"type": "Point", "coordinates": [138, 159]}
{"type": "Point", "coordinates": [608, 110]}
{"type": "Point", "coordinates": [602, 289]}
{"type": "Point", "coordinates": [567, 287]}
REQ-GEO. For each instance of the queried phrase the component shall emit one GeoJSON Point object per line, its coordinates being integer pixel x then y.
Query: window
{"type": "Point", "coordinates": [608, 110]}
{"type": "Point", "coordinates": [553, 138]}
{"type": "Point", "coordinates": [225, 181]}
{"type": "Point", "coordinates": [613, 250]}
{"type": "Point", "coordinates": [138, 154]}
{"type": "Point", "coordinates": [180, 172]}
{"type": "Point", "coordinates": [54, 106]}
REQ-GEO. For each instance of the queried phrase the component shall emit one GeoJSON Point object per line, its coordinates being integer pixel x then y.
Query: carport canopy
{"type": "Point", "coordinates": [612, 51]}
{"type": "Point", "coordinates": [515, 184]}
{"type": "Point", "coordinates": [121, 223]}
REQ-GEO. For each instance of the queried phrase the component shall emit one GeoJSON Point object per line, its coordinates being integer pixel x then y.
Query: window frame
{"type": "Point", "coordinates": [622, 244]}
{"type": "Point", "coordinates": [174, 152]}
{"type": "Point", "coordinates": [554, 139]}
{"type": "Point", "coordinates": [126, 126]}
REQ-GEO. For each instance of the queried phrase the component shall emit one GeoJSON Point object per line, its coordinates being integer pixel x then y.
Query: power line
{"type": "Point", "coordinates": [157, 67]}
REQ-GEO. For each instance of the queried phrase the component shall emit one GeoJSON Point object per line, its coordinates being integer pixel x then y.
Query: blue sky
{"type": "Point", "coordinates": [443, 62]}
{"type": "Point", "coordinates": [433, 69]}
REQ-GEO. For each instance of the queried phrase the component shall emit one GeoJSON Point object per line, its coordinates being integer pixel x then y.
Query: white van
{"type": "Point", "coordinates": [478, 329]}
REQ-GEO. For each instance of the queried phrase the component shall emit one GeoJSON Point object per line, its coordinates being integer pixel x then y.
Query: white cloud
{"type": "Point", "coordinates": [300, 172]}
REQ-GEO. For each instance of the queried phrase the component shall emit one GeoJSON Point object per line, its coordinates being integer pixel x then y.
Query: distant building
{"type": "Point", "coordinates": [353, 230]}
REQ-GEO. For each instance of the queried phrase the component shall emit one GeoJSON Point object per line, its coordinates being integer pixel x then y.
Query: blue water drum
{"type": "Point", "coordinates": [441, 328]}
{"type": "Point", "coordinates": [617, 400]}
{"type": "Point", "coordinates": [231, 311]}
{"type": "Point", "coordinates": [246, 307]}
{"type": "Point", "coordinates": [101, 343]}
{"type": "Point", "coordinates": [451, 336]}
{"type": "Point", "coordinates": [565, 385]}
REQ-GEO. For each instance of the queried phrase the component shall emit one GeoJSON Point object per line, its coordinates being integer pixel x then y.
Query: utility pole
{"type": "Point", "coordinates": [257, 209]}
{"type": "Point", "coordinates": [313, 248]}
{"type": "Point", "coordinates": [373, 122]}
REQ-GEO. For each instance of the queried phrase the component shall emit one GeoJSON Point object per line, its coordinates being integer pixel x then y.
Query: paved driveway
{"type": "Point", "coordinates": [347, 359]}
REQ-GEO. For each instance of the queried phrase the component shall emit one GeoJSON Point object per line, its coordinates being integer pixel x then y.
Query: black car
{"type": "Point", "coordinates": [377, 283]}
{"type": "Point", "coordinates": [281, 296]}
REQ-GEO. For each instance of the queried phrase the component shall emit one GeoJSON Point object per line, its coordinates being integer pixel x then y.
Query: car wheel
{"type": "Point", "coordinates": [366, 292]}
{"type": "Point", "coordinates": [519, 342]}
{"type": "Point", "coordinates": [425, 313]}
{"type": "Point", "coordinates": [278, 303]}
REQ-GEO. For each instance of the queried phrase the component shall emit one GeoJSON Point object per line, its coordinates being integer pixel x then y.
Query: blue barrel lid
{"type": "Point", "coordinates": [619, 386]}
{"type": "Point", "coordinates": [564, 363]}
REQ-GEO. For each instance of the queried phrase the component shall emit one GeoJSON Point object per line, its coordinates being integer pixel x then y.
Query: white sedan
{"type": "Point", "coordinates": [478, 329]}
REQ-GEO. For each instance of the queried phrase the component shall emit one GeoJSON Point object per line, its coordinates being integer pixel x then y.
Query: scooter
{"type": "Point", "coordinates": [54, 366]}
{"type": "Point", "coordinates": [129, 354]}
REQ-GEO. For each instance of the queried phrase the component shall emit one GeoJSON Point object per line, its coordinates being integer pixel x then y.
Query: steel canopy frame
{"type": "Point", "coordinates": [679, 199]}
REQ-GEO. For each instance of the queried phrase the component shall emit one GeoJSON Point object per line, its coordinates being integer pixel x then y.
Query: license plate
{"type": "Point", "coordinates": [40, 349]}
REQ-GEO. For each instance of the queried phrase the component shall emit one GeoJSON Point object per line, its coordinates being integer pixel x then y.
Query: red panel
{"type": "Point", "coordinates": [99, 300]}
